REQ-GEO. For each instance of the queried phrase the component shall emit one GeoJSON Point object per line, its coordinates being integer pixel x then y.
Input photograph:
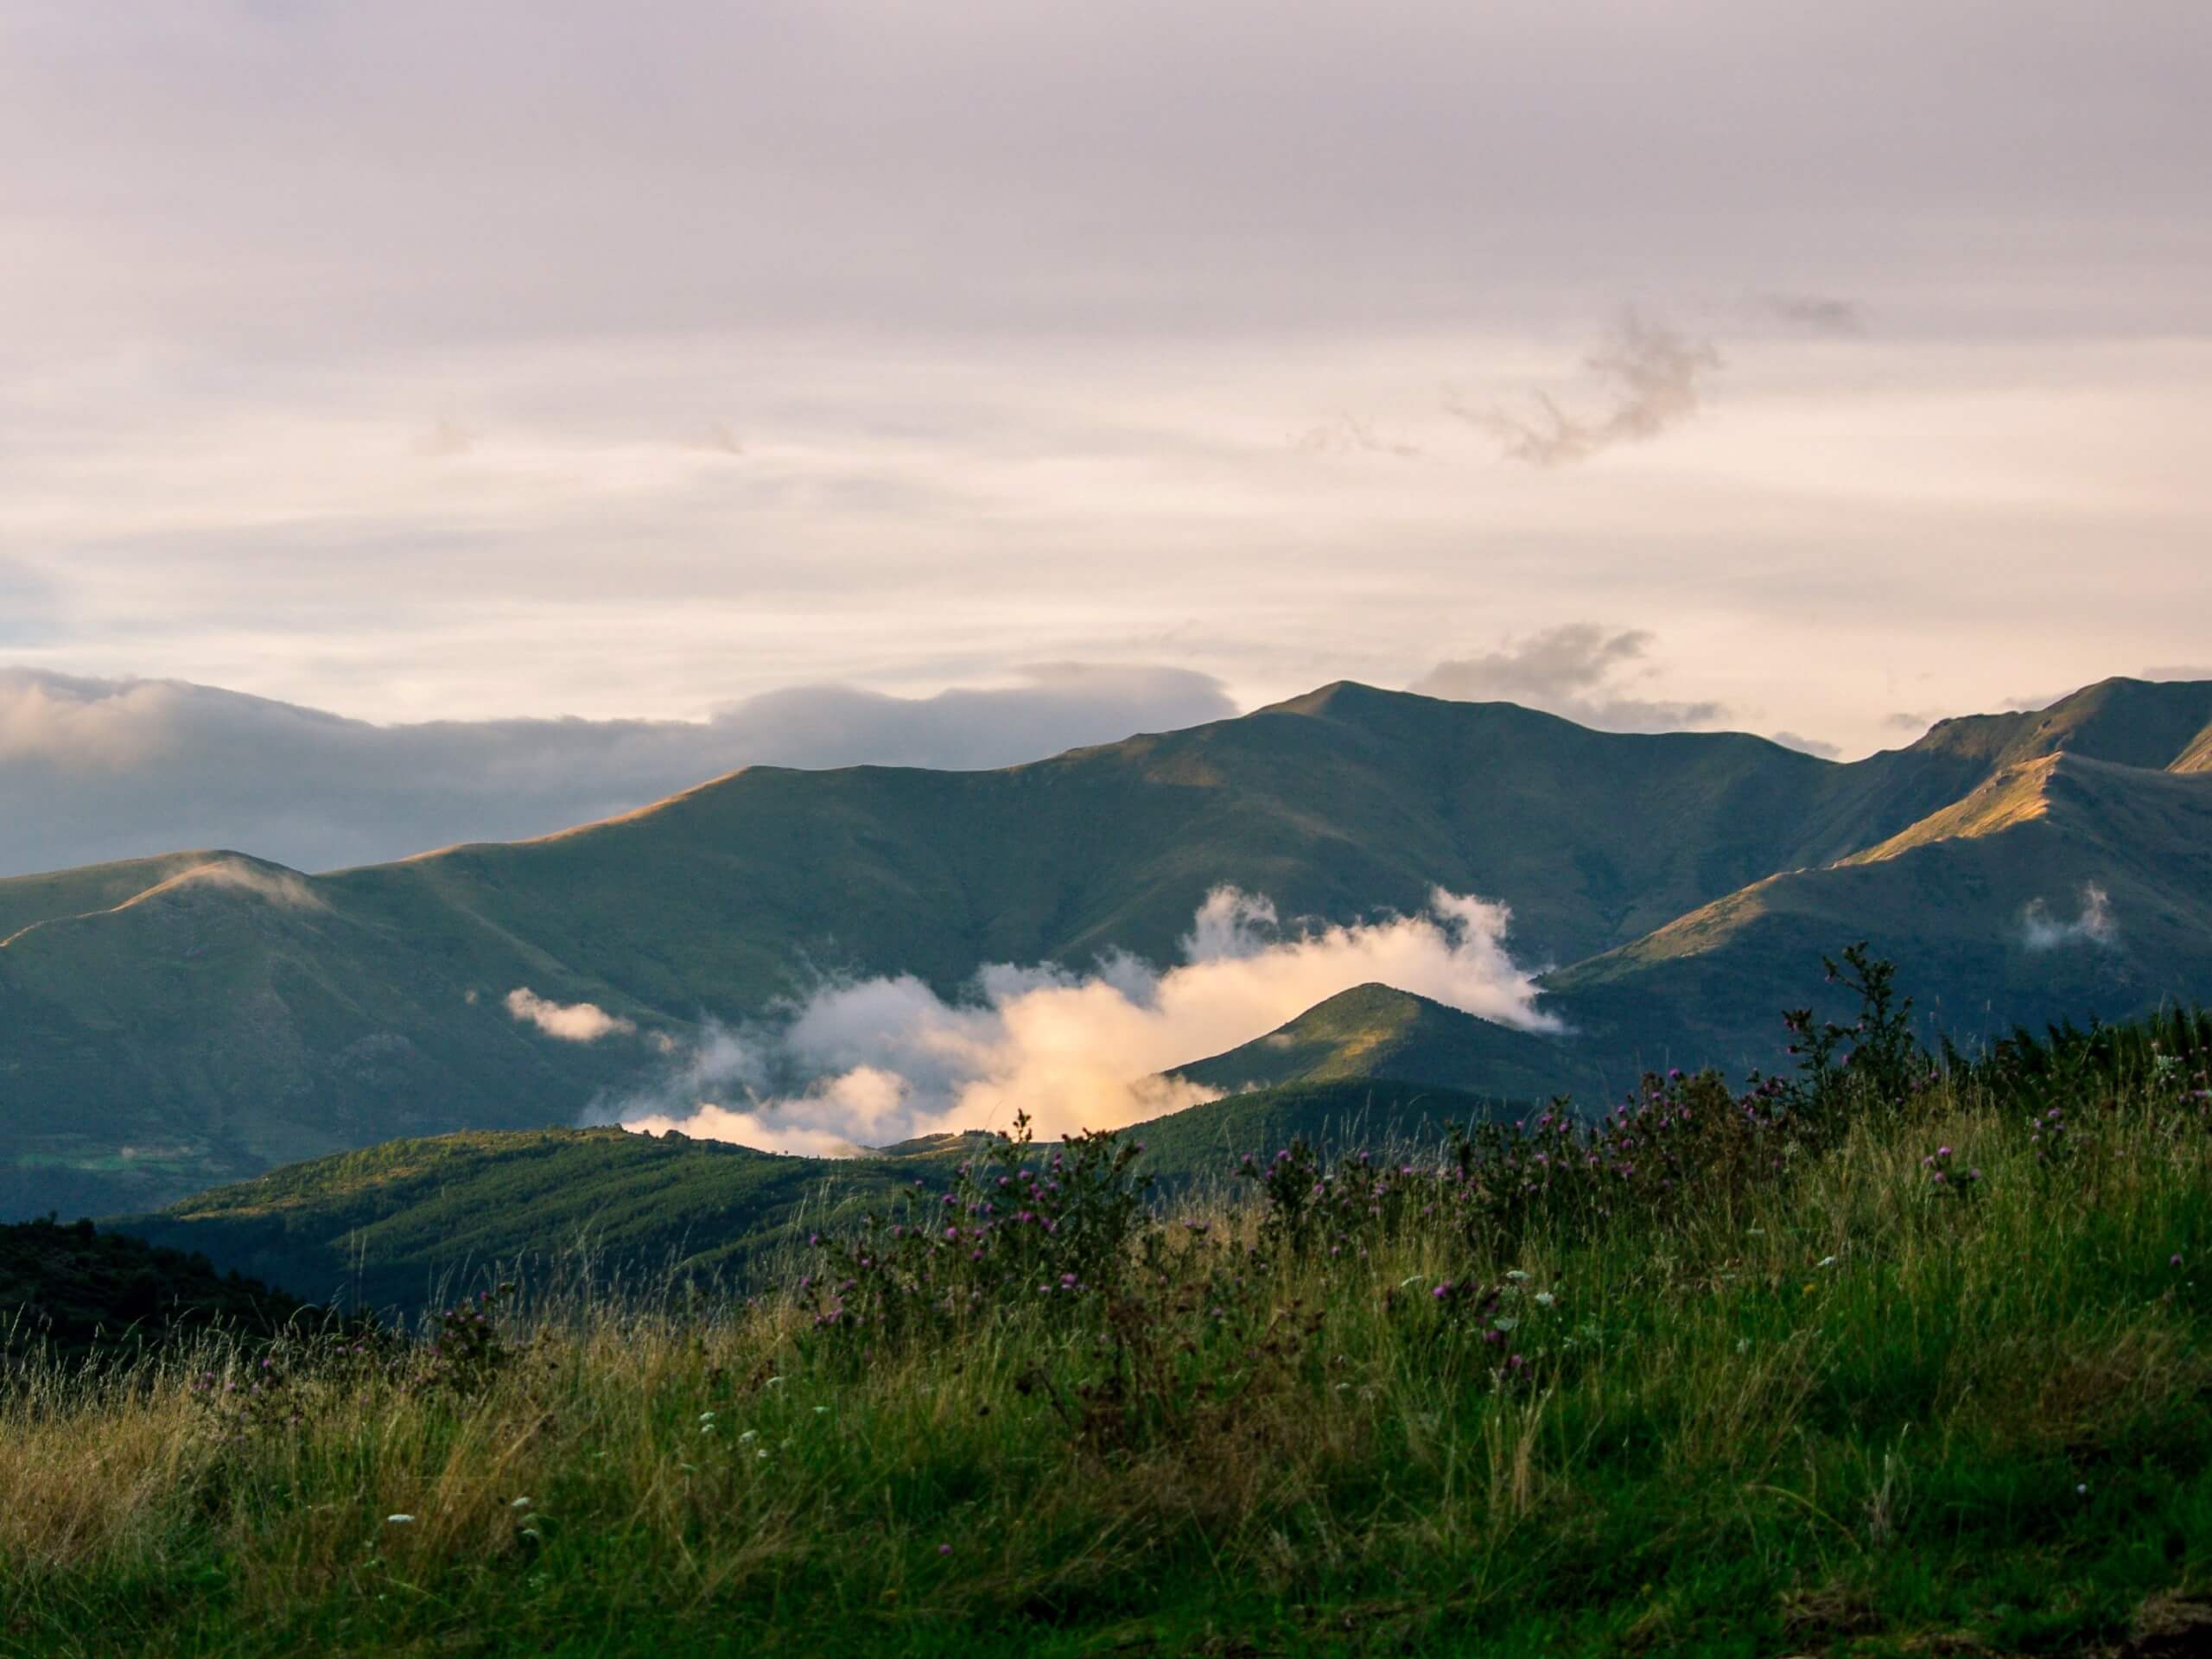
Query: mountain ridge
{"type": "Point", "coordinates": [184, 1032]}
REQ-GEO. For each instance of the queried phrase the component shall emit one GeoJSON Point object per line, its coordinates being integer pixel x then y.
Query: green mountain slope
{"type": "Point", "coordinates": [403, 1223]}
{"type": "Point", "coordinates": [1377, 1031]}
{"type": "Point", "coordinates": [2064, 886]}
{"type": "Point", "coordinates": [400, 1223]}
{"type": "Point", "coordinates": [228, 1016]}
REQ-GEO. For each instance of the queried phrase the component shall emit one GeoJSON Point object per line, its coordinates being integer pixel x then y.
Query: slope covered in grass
{"type": "Point", "coordinates": [403, 1223]}
{"type": "Point", "coordinates": [1377, 1031]}
{"type": "Point", "coordinates": [1751, 1380]}
{"type": "Point", "coordinates": [2064, 886]}
{"type": "Point", "coordinates": [408, 1223]}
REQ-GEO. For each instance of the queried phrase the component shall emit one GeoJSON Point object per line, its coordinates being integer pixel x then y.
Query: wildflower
{"type": "Point", "coordinates": [1545, 1299]}
{"type": "Point", "coordinates": [944, 1549]}
{"type": "Point", "coordinates": [705, 1416]}
{"type": "Point", "coordinates": [2174, 1260]}
{"type": "Point", "coordinates": [749, 1436]}
{"type": "Point", "coordinates": [519, 1504]}
{"type": "Point", "coordinates": [1517, 1276]}
{"type": "Point", "coordinates": [1827, 1261]}
{"type": "Point", "coordinates": [399, 1520]}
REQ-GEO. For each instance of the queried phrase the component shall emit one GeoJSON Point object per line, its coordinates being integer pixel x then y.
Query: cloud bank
{"type": "Point", "coordinates": [124, 768]}
{"type": "Point", "coordinates": [2094, 925]}
{"type": "Point", "coordinates": [872, 1062]}
{"type": "Point", "coordinates": [1580, 670]}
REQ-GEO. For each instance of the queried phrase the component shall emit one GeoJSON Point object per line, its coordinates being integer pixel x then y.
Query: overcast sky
{"type": "Point", "coordinates": [1815, 369]}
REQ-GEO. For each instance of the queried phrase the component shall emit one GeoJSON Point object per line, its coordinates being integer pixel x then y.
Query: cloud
{"type": "Point", "coordinates": [1580, 671]}
{"type": "Point", "coordinates": [122, 768]}
{"type": "Point", "coordinates": [572, 1022]}
{"type": "Point", "coordinates": [2185, 672]}
{"type": "Point", "coordinates": [1910, 720]}
{"type": "Point", "coordinates": [1815, 313]}
{"type": "Point", "coordinates": [872, 1062]}
{"type": "Point", "coordinates": [2094, 925]}
{"type": "Point", "coordinates": [1348, 434]}
{"type": "Point", "coordinates": [1651, 375]}
{"type": "Point", "coordinates": [1803, 744]}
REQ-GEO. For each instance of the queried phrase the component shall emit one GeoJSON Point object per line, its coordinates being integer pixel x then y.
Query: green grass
{"type": "Point", "coordinates": [401, 1224]}
{"type": "Point", "coordinates": [1838, 1409]}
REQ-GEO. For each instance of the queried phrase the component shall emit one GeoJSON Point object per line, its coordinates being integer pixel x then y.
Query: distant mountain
{"type": "Point", "coordinates": [186, 1021]}
{"type": "Point", "coordinates": [1376, 1033]}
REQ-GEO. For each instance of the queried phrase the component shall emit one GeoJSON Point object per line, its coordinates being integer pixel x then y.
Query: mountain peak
{"type": "Point", "coordinates": [1378, 1032]}
{"type": "Point", "coordinates": [2158, 725]}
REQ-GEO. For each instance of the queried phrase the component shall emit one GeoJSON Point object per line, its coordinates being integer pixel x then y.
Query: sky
{"type": "Point", "coordinates": [1806, 369]}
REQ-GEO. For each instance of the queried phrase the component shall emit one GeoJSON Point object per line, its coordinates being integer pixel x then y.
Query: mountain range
{"type": "Point", "coordinates": [169, 1023]}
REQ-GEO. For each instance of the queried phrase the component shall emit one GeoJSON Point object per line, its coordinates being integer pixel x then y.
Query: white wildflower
{"type": "Point", "coordinates": [399, 1520]}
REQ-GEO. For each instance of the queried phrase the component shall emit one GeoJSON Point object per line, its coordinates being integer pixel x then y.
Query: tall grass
{"type": "Point", "coordinates": [1812, 1401]}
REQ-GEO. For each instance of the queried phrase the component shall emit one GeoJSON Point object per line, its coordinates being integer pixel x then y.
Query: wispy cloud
{"type": "Point", "coordinates": [1815, 313]}
{"type": "Point", "coordinates": [1348, 434]}
{"type": "Point", "coordinates": [1651, 376]}
{"type": "Point", "coordinates": [1804, 745]}
{"type": "Point", "coordinates": [1581, 671]}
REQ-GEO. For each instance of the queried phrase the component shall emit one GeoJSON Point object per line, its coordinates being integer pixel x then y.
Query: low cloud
{"type": "Point", "coordinates": [1651, 375]}
{"type": "Point", "coordinates": [872, 1062]}
{"type": "Point", "coordinates": [126, 768]}
{"type": "Point", "coordinates": [571, 1022]}
{"type": "Point", "coordinates": [2094, 926]}
{"type": "Point", "coordinates": [1580, 670]}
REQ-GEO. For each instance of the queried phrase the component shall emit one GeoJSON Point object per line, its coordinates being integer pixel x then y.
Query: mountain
{"type": "Point", "coordinates": [402, 1224]}
{"type": "Point", "coordinates": [1376, 1033]}
{"type": "Point", "coordinates": [229, 1016]}
{"type": "Point", "coordinates": [2062, 887]}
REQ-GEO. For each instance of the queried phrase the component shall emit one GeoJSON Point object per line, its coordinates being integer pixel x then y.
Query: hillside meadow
{"type": "Point", "coordinates": [1890, 1357]}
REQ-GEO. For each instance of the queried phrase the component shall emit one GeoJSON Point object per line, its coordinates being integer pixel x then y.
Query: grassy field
{"type": "Point", "coordinates": [1735, 1374]}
